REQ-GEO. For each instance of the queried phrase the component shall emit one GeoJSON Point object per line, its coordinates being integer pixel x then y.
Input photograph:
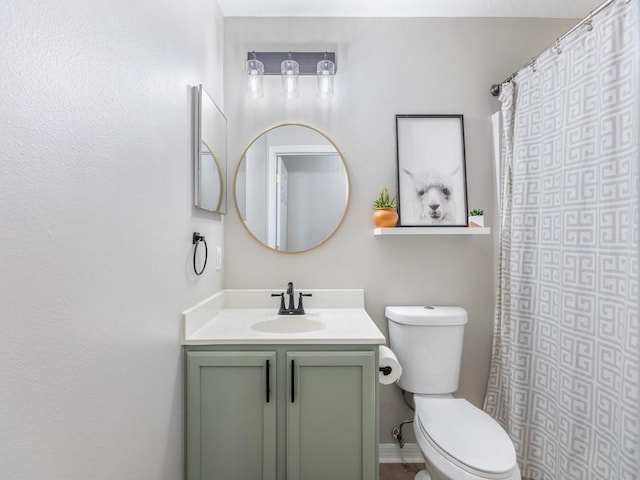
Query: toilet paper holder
{"type": "Point", "coordinates": [385, 370]}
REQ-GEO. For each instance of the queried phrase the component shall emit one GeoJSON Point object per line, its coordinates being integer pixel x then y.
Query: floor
{"type": "Point", "coordinates": [399, 471]}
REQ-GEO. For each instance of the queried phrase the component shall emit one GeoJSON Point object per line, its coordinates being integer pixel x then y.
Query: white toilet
{"type": "Point", "coordinates": [458, 441]}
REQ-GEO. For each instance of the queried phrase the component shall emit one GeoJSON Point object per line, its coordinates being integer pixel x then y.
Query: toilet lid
{"type": "Point", "coordinates": [467, 434]}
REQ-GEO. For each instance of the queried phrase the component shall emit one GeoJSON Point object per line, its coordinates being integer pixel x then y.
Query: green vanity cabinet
{"type": "Point", "coordinates": [231, 424]}
{"type": "Point", "coordinates": [331, 412]}
{"type": "Point", "coordinates": [320, 421]}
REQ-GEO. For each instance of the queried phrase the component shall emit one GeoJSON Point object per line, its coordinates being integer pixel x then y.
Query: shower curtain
{"type": "Point", "coordinates": [565, 373]}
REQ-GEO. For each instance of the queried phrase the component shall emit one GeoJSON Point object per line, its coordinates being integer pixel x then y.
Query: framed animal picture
{"type": "Point", "coordinates": [432, 184]}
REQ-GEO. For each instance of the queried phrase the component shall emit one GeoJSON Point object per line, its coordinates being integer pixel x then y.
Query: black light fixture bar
{"type": "Point", "coordinates": [308, 61]}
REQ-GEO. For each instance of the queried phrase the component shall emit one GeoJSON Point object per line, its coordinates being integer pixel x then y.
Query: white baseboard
{"type": "Point", "coordinates": [392, 453]}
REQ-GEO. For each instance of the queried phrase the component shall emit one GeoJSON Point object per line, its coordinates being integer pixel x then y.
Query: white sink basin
{"type": "Point", "coordinates": [288, 324]}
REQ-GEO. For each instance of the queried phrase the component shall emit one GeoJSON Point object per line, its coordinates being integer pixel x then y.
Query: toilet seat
{"type": "Point", "coordinates": [466, 436]}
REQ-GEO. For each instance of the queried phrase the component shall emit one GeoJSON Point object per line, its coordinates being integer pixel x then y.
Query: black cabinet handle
{"type": "Point", "coordinates": [293, 376]}
{"type": "Point", "coordinates": [268, 380]}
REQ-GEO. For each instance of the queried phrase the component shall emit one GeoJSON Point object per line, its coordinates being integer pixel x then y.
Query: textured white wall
{"type": "Point", "coordinates": [96, 220]}
{"type": "Point", "coordinates": [385, 67]}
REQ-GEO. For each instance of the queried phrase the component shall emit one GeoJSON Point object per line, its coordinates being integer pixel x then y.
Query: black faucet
{"type": "Point", "coordinates": [290, 293]}
{"type": "Point", "coordinates": [291, 309]}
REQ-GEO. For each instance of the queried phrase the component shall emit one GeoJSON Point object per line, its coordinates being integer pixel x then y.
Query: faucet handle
{"type": "Point", "coordinates": [281, 295]}
{"type": "Point", "coordinates": [300, 309]}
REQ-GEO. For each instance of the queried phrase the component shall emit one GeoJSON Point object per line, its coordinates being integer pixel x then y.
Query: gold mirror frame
{"type": "Point", "coordinates": [346, 179]}
{"type": "Point", "coordinates": [216, 162]}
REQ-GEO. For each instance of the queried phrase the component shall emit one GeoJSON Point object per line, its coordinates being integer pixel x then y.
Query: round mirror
{"type": "Point", "coordinates": [292, 188]}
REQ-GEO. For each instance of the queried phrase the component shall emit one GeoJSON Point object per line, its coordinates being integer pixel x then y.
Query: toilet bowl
{"type": "Point", "coordinates": [457, 440]}
{"type": "Point", "coordinates": [461, 442]}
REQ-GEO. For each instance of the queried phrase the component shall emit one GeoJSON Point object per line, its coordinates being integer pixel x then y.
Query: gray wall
{"type": "Point", "coordinates": [96, 220]}
{"type": "Point", "coordinates": [385, 67]}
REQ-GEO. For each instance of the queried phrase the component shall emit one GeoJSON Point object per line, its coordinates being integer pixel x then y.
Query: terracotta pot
{"type": "Point", "coordinates": [385, 217]}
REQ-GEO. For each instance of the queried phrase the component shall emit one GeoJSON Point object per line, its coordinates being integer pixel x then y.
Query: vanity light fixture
{"type": "Point", "coordinates": [291, 65]}
{"type": "Point", "coordinates": [289, 70]}
{"type": "Point", "coordinates": [255, 70]}
{"type": "Point", "coordinates": [325, 71]}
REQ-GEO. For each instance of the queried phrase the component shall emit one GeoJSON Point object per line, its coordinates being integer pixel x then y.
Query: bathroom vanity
{"type": "Point", "coordinates": [281, 397]}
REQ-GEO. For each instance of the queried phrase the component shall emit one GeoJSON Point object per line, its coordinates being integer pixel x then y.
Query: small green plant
{"type": "Point", "coordinates": [383, 200]}
{"type": "Point", "coordinates": [476, 213]}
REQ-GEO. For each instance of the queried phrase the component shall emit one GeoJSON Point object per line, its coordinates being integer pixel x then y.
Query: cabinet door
{"type": "Point", "coordinates": [331, 416]}
{"type": "Point", "coordinates": [231, 416]}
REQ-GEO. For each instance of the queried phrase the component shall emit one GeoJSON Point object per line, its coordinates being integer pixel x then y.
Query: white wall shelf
{"type": "Point", "coordinates": [431, 231]}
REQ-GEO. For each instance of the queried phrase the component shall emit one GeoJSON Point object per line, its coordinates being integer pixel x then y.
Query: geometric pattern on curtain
{"type": "Point", "coordinates": [565, 373]}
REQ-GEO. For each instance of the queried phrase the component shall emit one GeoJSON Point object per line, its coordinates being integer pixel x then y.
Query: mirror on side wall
{"type": "Point", "coordinates": [209, 153]}
{"type": "Point", "coordinates": [292, 188]}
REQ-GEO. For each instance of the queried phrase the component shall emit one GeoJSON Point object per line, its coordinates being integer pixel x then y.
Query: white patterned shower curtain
{"type": "Point", "coordinates": [565, 373]}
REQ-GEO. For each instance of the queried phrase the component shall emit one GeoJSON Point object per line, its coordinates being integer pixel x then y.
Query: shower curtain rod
{"type": "Point", "coordinates": [495, 88]}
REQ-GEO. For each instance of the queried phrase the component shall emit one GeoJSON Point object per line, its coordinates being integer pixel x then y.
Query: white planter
{"type": "Point", "coordinates": [476, 221]}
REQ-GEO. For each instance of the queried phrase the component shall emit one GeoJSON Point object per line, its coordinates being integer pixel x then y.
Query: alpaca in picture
{"type": "Point", "coordinates": [435, 197]}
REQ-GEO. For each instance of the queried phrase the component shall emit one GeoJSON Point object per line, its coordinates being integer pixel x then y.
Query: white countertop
{"type": "Point", "coordinates": [221, 320]}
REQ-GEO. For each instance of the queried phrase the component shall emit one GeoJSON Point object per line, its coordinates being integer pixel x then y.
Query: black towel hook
{"type": "Point", "coordinates": [197, 238]}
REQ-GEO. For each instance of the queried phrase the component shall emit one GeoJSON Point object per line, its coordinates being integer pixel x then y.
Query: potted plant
{"type": "Point", "coordinates": [476, 218]}
{"type": "Point", "coordinates": [384, 212]}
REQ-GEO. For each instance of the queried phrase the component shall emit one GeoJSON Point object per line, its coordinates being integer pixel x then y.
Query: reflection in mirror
{"type": "Point", "coordinates": [292, 188]}
{"type": "Point", "coordinates": [209, 152]}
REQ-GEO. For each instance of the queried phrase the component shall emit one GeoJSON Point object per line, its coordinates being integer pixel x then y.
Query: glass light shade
{"type": "Point", "coordinates": [325, 71]}
{"type": "Point", "coordinates": [255, 70]}
{"type": "Point", "coordinates": [289, 70]}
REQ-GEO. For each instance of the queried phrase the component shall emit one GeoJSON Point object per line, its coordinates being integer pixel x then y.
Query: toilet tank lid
{"type": "Point", "coordinates": [426, 315]}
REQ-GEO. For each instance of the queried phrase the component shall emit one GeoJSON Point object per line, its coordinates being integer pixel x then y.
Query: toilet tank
{"type": "Point", "coordinates": [428, 344]}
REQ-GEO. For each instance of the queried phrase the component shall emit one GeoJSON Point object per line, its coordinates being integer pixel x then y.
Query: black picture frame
{"type": "Point", "coordinates": [431, 171]}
